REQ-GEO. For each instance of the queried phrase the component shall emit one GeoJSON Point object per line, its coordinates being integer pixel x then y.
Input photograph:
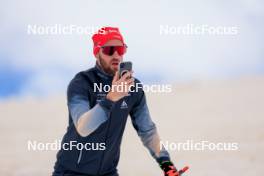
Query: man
{"type": "Point", "coordinates": [97, 119]}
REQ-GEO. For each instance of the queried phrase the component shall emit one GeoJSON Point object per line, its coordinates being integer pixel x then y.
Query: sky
{"type": "Point", "coordinates": [43, 65]}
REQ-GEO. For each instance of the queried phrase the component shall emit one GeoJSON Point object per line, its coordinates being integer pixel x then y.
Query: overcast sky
{"type": "Point", "coordinates": [44, 64]}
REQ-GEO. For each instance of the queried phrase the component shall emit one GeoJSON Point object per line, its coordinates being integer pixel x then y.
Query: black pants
{"type": "Point", "coordinates": [61, 171]}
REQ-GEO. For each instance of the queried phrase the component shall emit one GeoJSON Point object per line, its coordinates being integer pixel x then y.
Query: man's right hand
{"type": "Point", "coordinates": [120, 87]}
{"type": "Point", "coordinates": [170, 170]}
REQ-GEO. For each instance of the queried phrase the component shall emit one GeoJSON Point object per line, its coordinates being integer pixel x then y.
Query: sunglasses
{"type": "Point", "coordinates": [110, 50]}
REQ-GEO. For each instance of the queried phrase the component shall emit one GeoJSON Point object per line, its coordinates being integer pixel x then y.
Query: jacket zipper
{"type": "Point", "coordinates": [79, 157]}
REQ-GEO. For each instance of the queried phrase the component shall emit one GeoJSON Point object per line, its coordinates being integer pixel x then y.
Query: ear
{"type": "Point", "coordinates": [97, 56]}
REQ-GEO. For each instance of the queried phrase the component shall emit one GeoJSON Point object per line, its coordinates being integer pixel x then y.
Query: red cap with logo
{"type": "Point", "coordinates": [104, 35]}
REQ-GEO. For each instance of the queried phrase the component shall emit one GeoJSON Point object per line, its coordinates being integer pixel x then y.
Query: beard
{"type": "Point", "coordinates": [105, 67]}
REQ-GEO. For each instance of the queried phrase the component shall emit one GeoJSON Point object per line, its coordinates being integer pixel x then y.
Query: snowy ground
{"type": "Point", "coordinates": [215, 111]}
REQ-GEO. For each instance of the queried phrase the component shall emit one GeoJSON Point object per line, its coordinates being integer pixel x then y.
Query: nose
{"type": "Point", "coordinates": [116, 55]}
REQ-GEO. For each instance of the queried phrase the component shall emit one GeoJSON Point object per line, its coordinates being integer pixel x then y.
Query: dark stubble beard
{"type": "Point", "coordinates": [106, 68]}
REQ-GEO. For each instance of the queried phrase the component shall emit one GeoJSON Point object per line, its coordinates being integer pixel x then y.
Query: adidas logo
{"type": "Point", "coordinates": [123, 105]}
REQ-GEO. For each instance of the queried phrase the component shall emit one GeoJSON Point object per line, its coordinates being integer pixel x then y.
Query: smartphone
{"type": "Point", "coordinates": [124, 67]}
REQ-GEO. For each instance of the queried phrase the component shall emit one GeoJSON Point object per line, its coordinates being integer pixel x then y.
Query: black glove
{"type": "Point", "coordinates": [170, 170]}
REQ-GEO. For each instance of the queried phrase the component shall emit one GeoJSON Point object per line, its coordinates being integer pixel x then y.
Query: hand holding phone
{"type": "Point", "coordinates": [122, 79]}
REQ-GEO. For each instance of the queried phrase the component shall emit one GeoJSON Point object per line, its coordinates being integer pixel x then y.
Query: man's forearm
{"type": "Point", "coordinates": [151, 140]}
{"type": "Point", "coordinates": [93, 118]}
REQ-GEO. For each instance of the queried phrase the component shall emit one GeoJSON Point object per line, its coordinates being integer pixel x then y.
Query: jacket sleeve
{"type": "Point", "coordinates": [85, 118]}
{"type": "Point", "coordinates": [146, 129]}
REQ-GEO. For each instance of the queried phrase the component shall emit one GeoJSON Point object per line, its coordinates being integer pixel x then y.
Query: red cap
{"type": "Point", "coordinates": [104, 35]}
